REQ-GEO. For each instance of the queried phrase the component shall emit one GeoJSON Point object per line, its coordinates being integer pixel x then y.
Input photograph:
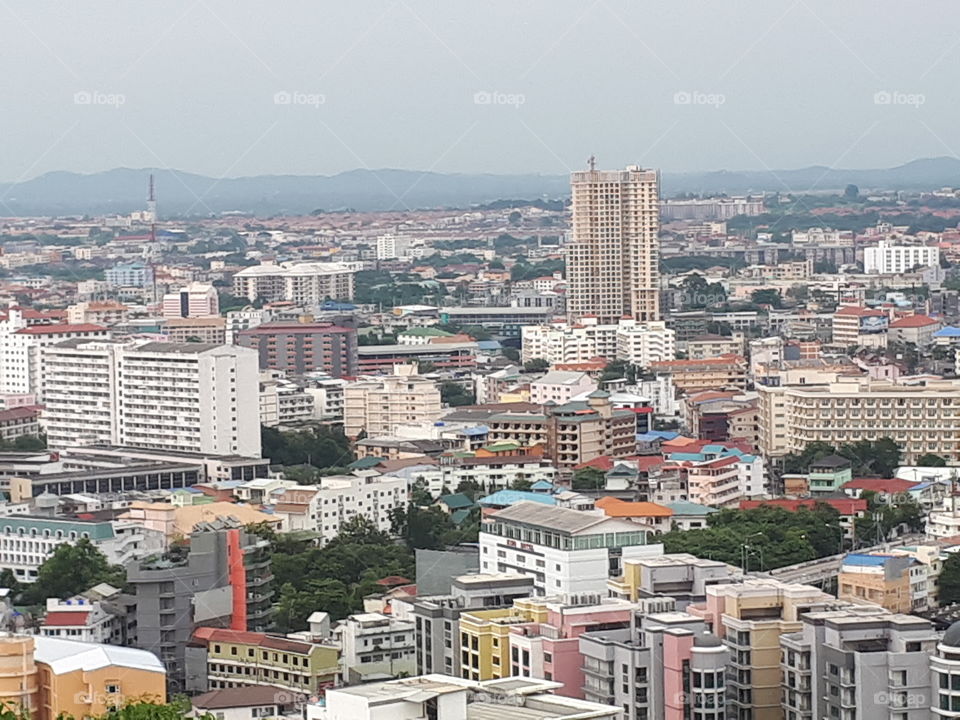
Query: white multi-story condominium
{"type": "Point", "coordinates": [645, 343]}
{"type": "Point", "coordinates": [559, 343]}
{"type": "Point", "coordinates": [373, 645]}
{"type": "Point", "coordinates": [921, 418]}
{"type": "Point", "coordinates": [327, 395]}
{"type": "Point", "coordinates": [860, 326]}
{"type": "Point", "coordinates": [297, 282]}
{"type": "Point", "coordinates": [889, 259]}
{"type": "Point", "coordinates": [565, 551]}
{"type": "Point", "coordinates": [240, 320]}
{"type": "Point", "coordinates": [27, 541]}
{"type": "Point", "coordinates": [560, 386]}
{"type": "Point", "coordinates": [193, 300]}
{"type": "Point", "coordinates": [376, 405]}
{"type": "Point", "coordinates": [391, 246]}
{"type": "Point", "coordinates": [613, 249]}
{"type": "Point", "coordinates": [189, 397]}
{"type": "Point", "coordinates": [21, 351]}
{"type": "Point", "coordinates": [337, 499]}
{"type": "Point", "coordinates": [282, 401]}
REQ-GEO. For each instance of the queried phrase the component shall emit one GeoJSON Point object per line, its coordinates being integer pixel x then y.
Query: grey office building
{"type": "Point", "coordinates": [859, 662]}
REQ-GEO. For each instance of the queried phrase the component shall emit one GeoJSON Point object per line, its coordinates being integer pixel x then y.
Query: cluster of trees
{"type": "Point", "coordinates": [143, 708]}
{"type": "Point", "coordinates": [321, 446]}
{"type": "Point", "coordinates": [454, 394]}
{"type": "Point", "coordinates": [875, 458]}
{"type": "Point", "coordinates": [524, 270]}
{"type": "Point", "coordinates": [949, 580]}
{"type": "Point", "coordinates": [25, 442]}
{"type": "Point", "coordinates": [882, 519]}
{"type": "Point", "coordinates": [589, 478]}
{"type": "Point", "coordinates": [769, 537]}
{"type": "Point", "coordinates": [70, 570]}
{"type": "Point", "coordinates": [335, 577]}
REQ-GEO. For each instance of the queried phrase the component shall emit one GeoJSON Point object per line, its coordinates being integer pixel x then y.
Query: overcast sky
{"type": "Point", "coordinates": [233, 87]}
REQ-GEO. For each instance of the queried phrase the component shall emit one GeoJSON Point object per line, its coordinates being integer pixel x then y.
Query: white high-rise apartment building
{"type": "Point", "coordinates": [297, 282]}
{"type": "Point", "coordinates": [888, 259]}
{"type": "Point", "coordinates": [190, 397]}
{"type": "Point", "coordinates": [21, 348]}
{"type": "Point", "coordinates": [613, 251]}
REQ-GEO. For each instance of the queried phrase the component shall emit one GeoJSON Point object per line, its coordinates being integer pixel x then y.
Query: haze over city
{"type": "Point", "coordinates": [227, 88]}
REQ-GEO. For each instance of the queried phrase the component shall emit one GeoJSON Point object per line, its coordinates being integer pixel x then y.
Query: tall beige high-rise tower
{"type": "Point", "coordinates": [613, 251]}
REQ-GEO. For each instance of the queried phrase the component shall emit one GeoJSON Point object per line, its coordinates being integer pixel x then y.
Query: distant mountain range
{"type": "Point", "coordinates": [179, 193]}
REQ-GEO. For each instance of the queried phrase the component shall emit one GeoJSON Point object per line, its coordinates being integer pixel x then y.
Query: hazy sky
{"type": "Point", "coordinates": [231, 87]}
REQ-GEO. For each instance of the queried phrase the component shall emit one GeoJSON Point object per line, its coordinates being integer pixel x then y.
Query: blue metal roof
{"type": "Point", "coordinates": [866, 560]}
{"type": "Point", "coordinates": [543, 485]}
{"type": "Point", "coordinates": [509, 497]}
{"type": "Point", "coordinates": [478, 430]}
{"type": "Point", "coordinates": [948, 331]}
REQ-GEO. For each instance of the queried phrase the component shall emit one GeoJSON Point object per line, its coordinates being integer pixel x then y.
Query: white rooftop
{"type": "Point", "coordinates": [64, 656]}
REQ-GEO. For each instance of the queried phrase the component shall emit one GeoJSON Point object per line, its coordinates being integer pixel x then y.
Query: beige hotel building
{"type": "Point", "coordinates": [613, 251]}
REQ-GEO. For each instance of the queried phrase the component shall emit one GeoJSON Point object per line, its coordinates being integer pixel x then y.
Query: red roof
{"type": "Point", "coordinates": [914, 321]}
{"type": "Point", "coordinates": [61, 328]}
{"type": "Point", "coordinates": [844, 506]}
{"type": "Point", "coordinates": [62, 618]}
{"type": "Point", "coordinates": [19, 413]}
{"type": "Point", "coordinates": [600, 462]}
{"type": "Point", "coordinates": [393, 581]}
{"type": "Point", "coordinates": [295, 328]}
{"type": "Point", "coordinates": [859, 311]}
{"type": "Point", "coordinates": [881, 485]}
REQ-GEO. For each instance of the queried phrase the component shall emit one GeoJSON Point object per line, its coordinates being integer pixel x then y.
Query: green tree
{"type": "Point", "coordinates": [322, 446]}
{"type": "Point", "coordinates": [950, 580]}
{"type": "Point", "coordinates": [767, 296]}
{"type": "Point", "coordinates": [455, 395]}
{"type": "Point", "coordinates": [511, 354]}
{"type": "Point", "coordinates": [536, 365]}
{"type": "Point", "coordinates": [589, 478]}
{"type": "Point", "coordinates": [70, 570]}
{"type": "Point", "coordinates": [851, 192]}
{"type": "Point", "coordinates": [931, 460]}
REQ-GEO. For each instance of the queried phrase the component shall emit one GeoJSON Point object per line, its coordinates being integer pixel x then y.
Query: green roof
{"type": "Point", "coordinates": [94, 530]}
{"type": "Point", "coordinates": [458, 516]}
{"type": "Point", "coordinates": [456, 501]}
{"type": "Point", "coordinates": [365, 463]}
